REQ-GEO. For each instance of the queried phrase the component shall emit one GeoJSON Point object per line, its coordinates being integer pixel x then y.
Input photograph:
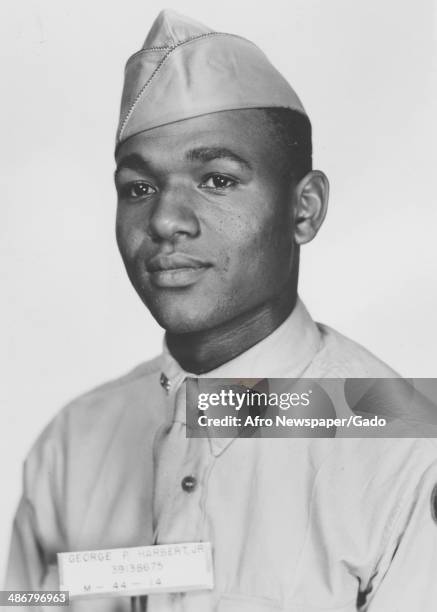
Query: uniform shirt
{"type": "Point", "coordinates": [299, 525]}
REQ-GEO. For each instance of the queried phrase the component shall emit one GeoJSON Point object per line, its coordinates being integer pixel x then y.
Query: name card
{"type": "Point", "coordinates": [139, 570]}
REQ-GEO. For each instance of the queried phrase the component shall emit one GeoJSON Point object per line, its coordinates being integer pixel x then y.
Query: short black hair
{"type": "Point", "coordinates": [292, 130]}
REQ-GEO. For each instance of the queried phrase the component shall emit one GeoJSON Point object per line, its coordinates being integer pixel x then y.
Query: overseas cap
{"type": "Point", "coordinates": [185, 70]}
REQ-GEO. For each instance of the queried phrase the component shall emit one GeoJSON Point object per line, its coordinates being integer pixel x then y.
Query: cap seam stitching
{"type": "Point", "coordinates": [157, 70]}
{"type": "Point", "coordinates": [182, 42]}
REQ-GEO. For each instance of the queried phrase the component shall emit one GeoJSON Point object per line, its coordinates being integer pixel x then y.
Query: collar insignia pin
{"type": "Point", "coordinates": [164, 381]}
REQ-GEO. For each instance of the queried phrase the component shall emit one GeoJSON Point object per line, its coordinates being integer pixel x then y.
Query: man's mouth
{"type": "Point", "coordinates": [176, 270]}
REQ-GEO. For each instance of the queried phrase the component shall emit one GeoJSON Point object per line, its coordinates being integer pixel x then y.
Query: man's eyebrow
{"type": "Point", "coordinates": [133, 161]}
{"type": "Point", "coordinates": [207, 154]}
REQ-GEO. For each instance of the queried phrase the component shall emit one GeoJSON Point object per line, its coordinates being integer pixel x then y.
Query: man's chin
{"type": "Point", "coordinates": [188, 312]}
{"type": "Point", "coordinates": [181, 321]}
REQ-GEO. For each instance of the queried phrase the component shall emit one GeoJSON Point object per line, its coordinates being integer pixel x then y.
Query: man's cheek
{"type": "Point", "coordinates": [261, 260]}
{"type": "Point", "coordinates": [251, 250]}
{"type": "Point", "coordinates": [129, 241]}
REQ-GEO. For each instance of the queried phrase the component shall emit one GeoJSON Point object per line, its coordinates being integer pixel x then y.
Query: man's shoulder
{"type": "Point", "coordinates": [134, 386]}
{"type": "Point", "coordinates": [99, 412]}
{"type": "Point", "coordinates": [134, 380]}
{"type": "Point", "coordinates": [342, 357]}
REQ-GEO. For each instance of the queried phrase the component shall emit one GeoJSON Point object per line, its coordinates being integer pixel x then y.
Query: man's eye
{"type": "Point", "coordinates": [218, 181]}
{"type": "Point", "coordinates": [138, 190]}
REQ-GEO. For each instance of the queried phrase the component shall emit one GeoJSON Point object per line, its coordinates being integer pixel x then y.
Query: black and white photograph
{"type": "Point", "coordinates": [220, 308]}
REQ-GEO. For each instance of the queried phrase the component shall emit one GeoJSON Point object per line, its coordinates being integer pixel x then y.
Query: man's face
{"type": "Point", "coordinates": [204, 219]}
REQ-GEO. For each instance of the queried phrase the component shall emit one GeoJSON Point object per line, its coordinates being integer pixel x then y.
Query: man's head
{"type": "Point", "coordinates": [211, 213]}
{"type": "Point", "coordinates": [215, 188]}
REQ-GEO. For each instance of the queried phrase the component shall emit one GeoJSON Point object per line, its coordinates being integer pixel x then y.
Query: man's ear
{"type": "Point", "coordinates": [310, 205]}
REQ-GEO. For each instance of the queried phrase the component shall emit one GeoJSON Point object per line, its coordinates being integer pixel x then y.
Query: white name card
{"type": "Point", "coordinates": [140, 570]}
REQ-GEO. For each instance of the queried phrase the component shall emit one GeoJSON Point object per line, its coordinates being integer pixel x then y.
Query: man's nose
{"type": "Point", "coordinates": [173, 215]}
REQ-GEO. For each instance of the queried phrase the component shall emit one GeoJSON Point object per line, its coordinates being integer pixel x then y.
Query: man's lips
{"type": "Point", "coordinates": [176, 270]}
{"type": "Point", "coordinates": [174, 262]}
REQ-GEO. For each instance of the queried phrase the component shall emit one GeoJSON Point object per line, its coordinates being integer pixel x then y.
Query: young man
{"type": "Point", "coordinates": [216, 194]}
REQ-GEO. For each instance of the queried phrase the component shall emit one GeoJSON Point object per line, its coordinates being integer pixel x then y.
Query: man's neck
{"type": "Point", "coordinates": [200, 352]}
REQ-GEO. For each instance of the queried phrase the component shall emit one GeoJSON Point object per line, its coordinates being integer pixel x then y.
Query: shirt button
{"type": "Point", "coordinates": [188, 484]}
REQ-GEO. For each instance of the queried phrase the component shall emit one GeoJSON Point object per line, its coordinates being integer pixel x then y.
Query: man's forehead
{"type": "Point", "coordinates": [230, 134]}
{"type": "Point", "coordinates": [203, 154]}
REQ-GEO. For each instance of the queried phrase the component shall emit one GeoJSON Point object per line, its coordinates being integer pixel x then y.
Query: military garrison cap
{"type": "Point", "coordinates": [185, 70]}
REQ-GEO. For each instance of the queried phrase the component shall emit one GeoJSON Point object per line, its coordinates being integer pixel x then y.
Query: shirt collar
{"type": "Point", "coordinates": [285, 353]}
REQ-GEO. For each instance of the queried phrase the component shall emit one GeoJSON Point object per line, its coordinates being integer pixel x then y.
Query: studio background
{"type": "Point", "coordinates": [363, 70]}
